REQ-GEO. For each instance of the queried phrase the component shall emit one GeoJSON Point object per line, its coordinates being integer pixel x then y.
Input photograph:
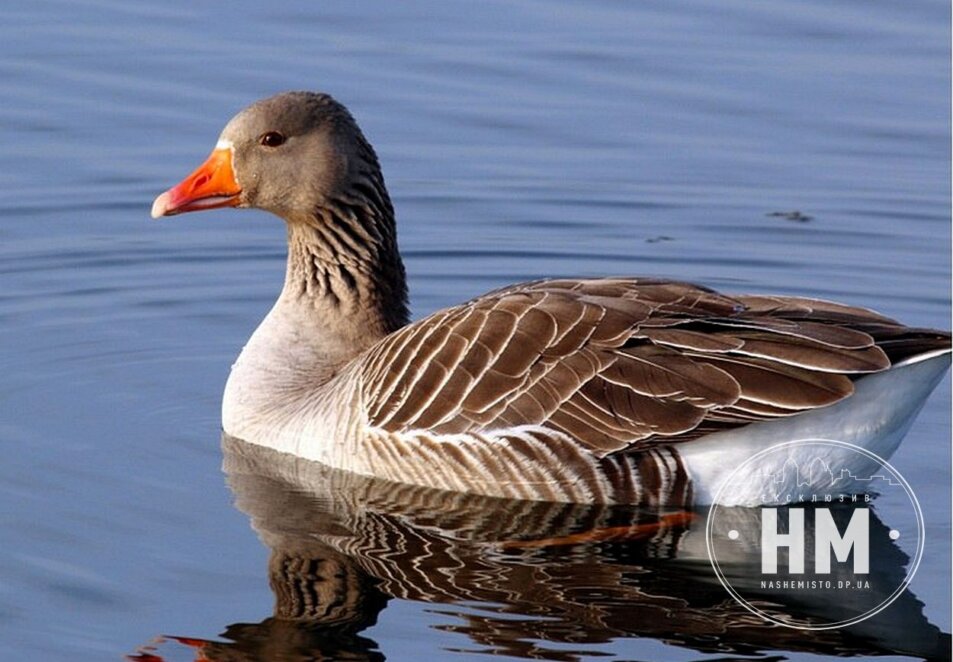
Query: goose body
{"type": "Point", "coordinates": [597, 390]}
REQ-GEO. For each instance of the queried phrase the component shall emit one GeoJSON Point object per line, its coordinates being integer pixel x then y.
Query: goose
{"type": "Point", "coordinates": [597, 390]}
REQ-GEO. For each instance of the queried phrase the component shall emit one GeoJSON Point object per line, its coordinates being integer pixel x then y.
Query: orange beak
{"type": "Point", "coordinates": [212, 185]}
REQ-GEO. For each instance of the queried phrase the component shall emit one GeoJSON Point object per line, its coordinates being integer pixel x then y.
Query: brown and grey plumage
{"type": "Point", "coordinates": [545, 390]}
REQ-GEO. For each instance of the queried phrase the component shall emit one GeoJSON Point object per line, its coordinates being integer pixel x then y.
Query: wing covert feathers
{"type": "Point", "coordinates": [622, 363]}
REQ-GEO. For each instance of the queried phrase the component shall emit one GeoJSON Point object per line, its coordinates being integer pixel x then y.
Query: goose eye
{"type": "Point", "coordinates": [271, 139]}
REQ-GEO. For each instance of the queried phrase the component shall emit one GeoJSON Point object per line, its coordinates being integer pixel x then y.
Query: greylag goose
{"type": "Point", "coordinates": [594, 390]}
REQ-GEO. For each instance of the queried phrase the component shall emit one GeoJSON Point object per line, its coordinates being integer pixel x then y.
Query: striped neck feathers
{"type": "Point", "coordinates": [344, 265]}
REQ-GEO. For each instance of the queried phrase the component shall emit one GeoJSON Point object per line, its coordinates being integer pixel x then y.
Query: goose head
{"type": "Point", "coordinates": [288, 154]}
{"type": "Point", "coordinates": [301, 156]}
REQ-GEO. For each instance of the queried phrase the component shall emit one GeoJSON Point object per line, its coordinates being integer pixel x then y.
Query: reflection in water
{"type": "Point", "coordinates": [539, 580]}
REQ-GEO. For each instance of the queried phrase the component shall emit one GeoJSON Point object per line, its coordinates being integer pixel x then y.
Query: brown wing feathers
{"type": "Point", "coordinates": [620, 363]}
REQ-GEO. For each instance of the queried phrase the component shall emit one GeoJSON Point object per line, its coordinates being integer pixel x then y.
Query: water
{"type": "Point", "coordinates": [519, 141]}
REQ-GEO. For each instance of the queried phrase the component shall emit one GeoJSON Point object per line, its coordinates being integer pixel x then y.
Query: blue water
{"type": "Point", "coordinates": [519, 140]}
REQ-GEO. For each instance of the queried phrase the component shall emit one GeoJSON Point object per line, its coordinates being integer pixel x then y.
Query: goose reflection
{"type": "Point", "coordinates": [526, 579]}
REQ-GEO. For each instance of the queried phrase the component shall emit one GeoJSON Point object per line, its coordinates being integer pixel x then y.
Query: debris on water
{"type": "Point", "coordinates": [795, 216]}
{"type": "Point", "coordinates": [661, 237]}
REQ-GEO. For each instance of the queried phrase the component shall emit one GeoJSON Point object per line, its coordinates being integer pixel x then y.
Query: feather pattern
{"type": "Point", "coordinates": [618, 364]}
{"type": "Point", "coordinates": [559, 390]}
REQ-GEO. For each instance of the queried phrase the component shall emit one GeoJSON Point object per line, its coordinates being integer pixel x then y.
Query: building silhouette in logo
{"type": "Point", "coordinates": [817, 480]}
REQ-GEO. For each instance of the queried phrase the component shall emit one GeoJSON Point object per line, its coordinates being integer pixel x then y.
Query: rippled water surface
{"type": "Point", "coordinates": [519, 140]}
